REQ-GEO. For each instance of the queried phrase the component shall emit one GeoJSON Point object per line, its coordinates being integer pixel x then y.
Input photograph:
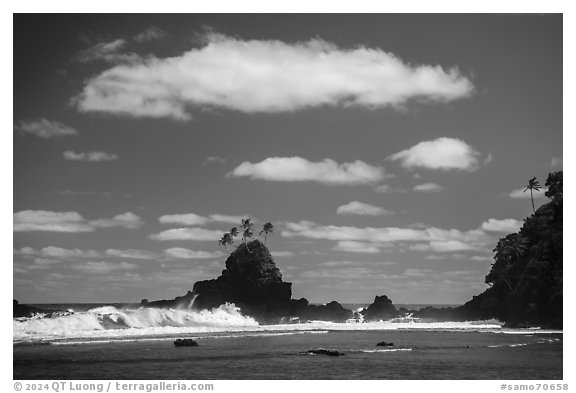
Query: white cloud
{"type": "Point", "coordinates": [45, 128]}
{"type": "Point", "coordinates": [126, 220]}
{"type": "Point", "coordinates": [43, 263]}
{"type": "Point", "coordinates": [43, 220]}
{"type": "Point", "coordinates": [132, 254]}
{"type": "Point", "coordinates": [50, 221]}
{"type": "Point", "coordinates": [104, 267]}
{"type": "Point", "coordinates": [184, 219]}
{"type": "Point", "coordinates": [384, 189]}
{"type": "Point", "coordinates": [224, 218]}
{"type": "Point", "coordinates": [556, 162]}
{"type": "Point", "coordinates": [441, 153]}
{"type": "Point", "coordinates": [108, 52]}
{"type": "Point", "coordinates": [521, 194]}
{"type": "Point", "coordinates": [282, 254]}
{"type": "Point", "coordinates": [327, 171]}
{"type": "Point", "coordinates": [480, 258]}
{"type": "Point", "coordinates": [91, 156]}
{"type": "Point", "coordinates": [428, 187]}
{"type": "Point", "coordinates": [58, 252]}
{"type": "Point", "coordinates": [195, 219]}
{"type": "Point", "coordinates": [362, 209]}
{"type": "Point", "coordinates": [355, 246]}
{"type": "Point", "coordinates": [263, 76]}
{"type": "Point", "coordinates": [350, 237]}
{"type": "Point", "coordinates": [184, 253]}
{"type": "Point", "coordinates": [196, 234]}
{"type": "Point", "coordinates": [508, 225]}
{"type": "Point", "coordinates": [214, 160]}
{"type": "Point", "coordinates": [152, 33]}
{"type": "Point", "coordinates": [451, 246]}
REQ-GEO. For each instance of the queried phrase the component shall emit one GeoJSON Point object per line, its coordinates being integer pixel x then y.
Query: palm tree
{"type": "Point", "coordinates": [226, 240]}
{"type": "Point", "coordinates": [247, 223]}
{"type": "Point", "coordinates": [234, 232]}
{"type": "Point", "coordinates": [248, 233]}
{"type": "Point", "coordinates": [268, 228]}
{"type": "Point", "coordinates": [533, 184]}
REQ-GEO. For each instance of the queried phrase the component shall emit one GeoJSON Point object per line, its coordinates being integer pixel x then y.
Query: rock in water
{"type": "Point", "coordinates": [327, 352]}
{"type": "Point", "coordinates": [186, 342]}
{"type": "Point", "coordinates": [251, 280]}
{"type": "Point", "coordinates": [381, 309]}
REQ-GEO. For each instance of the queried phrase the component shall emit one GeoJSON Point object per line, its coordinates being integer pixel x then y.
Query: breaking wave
{"type": "Point", "coordinates": [110, 321]}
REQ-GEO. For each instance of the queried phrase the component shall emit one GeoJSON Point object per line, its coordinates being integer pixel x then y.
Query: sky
{"type": "Point", "coordinates": [389, 151]}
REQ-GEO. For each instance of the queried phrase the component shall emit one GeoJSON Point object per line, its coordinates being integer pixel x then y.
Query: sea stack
{"type": "Point", "coordinates": [251, 280]}
{"type": "Point", "coordinates": [381, 309]}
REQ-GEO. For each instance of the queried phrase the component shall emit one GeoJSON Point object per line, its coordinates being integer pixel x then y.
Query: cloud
{"type": "Point", "coordinates": [196, 234]}
{"type": "Point", "coordinates": [441, 153]}
{"type": "Point", "coordinates": [556, 162]}
{"type": "Point", "coordinates": [224, 218]}
{"type": "Point", "coordinates": [50, 221]}
{"type": "Point", "coordinates": [509, 225]}
{"type": "Point", "coordinates": [108, 52]}
{"type": "Point", "coordinates": [104, 267]}
{"type": "Point", "coordinates": [294, 169]}
{"type": "Point", "coordinates": [355, 238]}
{"type": "Point", "coordinates": [43, 263]}
{"type": "Point", "coordinates": [257, 76]}
{"type": "Point", "coordinates": [58, 252]}
{"type": "Point", "coordinates": [357, 263]}
{"type": "Point", "coordinates": [451, 246]}
{"type": "Point", "coordinates": [428, 187]}
{"type": "Point", "coordinates": [132, 254]}
{"type": "Point", "coordinates": [521, 194]}
{"type": "Point", "coordinates": [184, 253]}
{"type": "Point", "coordinates": [46, 129]}
{"type": "Point", "coordinates": [354, 246]}
{"type": "Point", "coordinates": [282, 254]}
{"type": "Point", "coordinates": [91, 156]}
{"type": "Point", "coordinates": [126, 220]}
{"type": "Point", "coordinates": [195, 219]}
{"type": "Point", "coordinates": [152, 33]}
{"type": "Point", "coordinates": [184, 219]}
{"type": "Point", "coordinates": [214, 160]}
{"type": "Point", "coordinates": [362, 209]}
{"type": "Point", "coordinates": [43, 220]}
{"type": "Point", "coordinates": [384, 189]}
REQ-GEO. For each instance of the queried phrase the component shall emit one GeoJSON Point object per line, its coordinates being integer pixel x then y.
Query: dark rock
{"type": "Point", "coordinates": [332, 311]}
{"type": "Point", "coordinates": [22, 310]}
{"type": "Point", "coordinates": [252, 281]}
{"type": "Point", "coordinates": [327, 352]}
{"type": "Point", "coordinates": [178, 302]}
{"type": "Point", "coordinates": [384, 344]}
{"type": "Point", "coordinates": [186, 342]}
{"type": "Point", "coordinates": [440, 314]}
{"type": "Point", "coordinates": [381, 309]}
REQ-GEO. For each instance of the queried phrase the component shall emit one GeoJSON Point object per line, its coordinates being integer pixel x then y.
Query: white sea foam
{"type": "Point", "coordinates": [386, 350]}
{"type": "Point", "coordinates": [99, 324]}
{"type": "Point", "coordinates": [112, 322]}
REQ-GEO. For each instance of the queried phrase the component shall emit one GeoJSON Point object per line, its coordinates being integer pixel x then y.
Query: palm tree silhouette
{"type": "Point", "coordinates": [533, 184]}
{"type": "Point", "coordinates": [247, 225]}
{"type": "Point", "coordinates": [268, 228]}
{"type": "Point", "coordinates": [226, 240]}
{"type": "Point", "coordinates": [234, 232]}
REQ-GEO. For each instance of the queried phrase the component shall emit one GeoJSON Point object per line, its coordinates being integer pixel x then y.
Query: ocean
{"type": "Point", "coordinates": [123, 342]}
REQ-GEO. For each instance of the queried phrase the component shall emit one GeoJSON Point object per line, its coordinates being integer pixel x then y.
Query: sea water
{"type": "Point", "coordinates": [107, 342]}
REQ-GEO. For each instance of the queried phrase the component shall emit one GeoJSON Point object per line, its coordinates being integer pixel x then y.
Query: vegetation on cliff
{"type": "Point", "coordinates": [526, 277]}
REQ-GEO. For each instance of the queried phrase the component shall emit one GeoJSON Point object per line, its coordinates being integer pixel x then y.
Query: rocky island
{"type": "Point", "coordinates": [525, 282]}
